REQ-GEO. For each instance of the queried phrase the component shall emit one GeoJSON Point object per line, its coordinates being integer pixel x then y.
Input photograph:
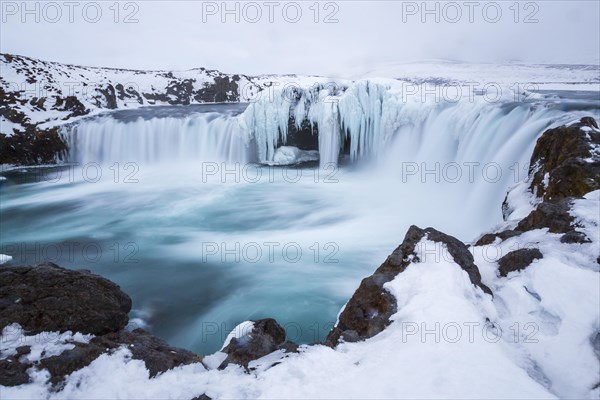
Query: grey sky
{"type": "Point", "coordinates": [188, 34]}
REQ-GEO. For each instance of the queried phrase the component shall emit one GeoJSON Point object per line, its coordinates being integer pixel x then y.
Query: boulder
{"type": "Point", "coordinates": [265, 337]}
{"type": "Point", "coordinates": [553, 215]}
{"type": "Point", "coordinates": [563, 163]}
{"type": "Point", "coordinates": [518, 260]}
{"type": "Point", "coordinates": [489, 238]}
{"type": "Point", "coordinates": [48, 298]}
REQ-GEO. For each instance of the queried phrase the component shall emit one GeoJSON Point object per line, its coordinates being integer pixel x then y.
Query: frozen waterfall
{"type": "Point", "coordinates": [378, 121]}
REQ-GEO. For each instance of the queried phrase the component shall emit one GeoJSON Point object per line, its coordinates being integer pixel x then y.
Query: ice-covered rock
{"type": "Point", "coordinates": [290, 155]}
{"type": "Point", "coordinates": [253, 340]}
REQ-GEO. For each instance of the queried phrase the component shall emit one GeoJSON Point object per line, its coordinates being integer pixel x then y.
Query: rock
{"type": "Point", "coordinates": [49, 298]}
{"type": "Point", "coordinates": [368, 311]}
{"type": "Point", "coordinates": [553, 215]}
{"type": "Point", "coordinates": [12, 372]}
{"type": "Point", "coordinates": [202, 397]}
{"type": "Point", "coordinates": [265, 337]}
{"type": "Point", "coordinates": [574, 237]}
{"type": "Point", "coordinates": [595, 340]}
{"type": "Point", "coordinates": [490, 238]}
{"type": "Point", "coordinates": [305, 137]}
{"type": "Point", "coordinates": [518, 260]}
{"type": "Point", "coordinates": [156, 354]}
{"type": "Point", "coordinates": [32, 147]}
{"type": "Point", "coordinates": [563, 163]}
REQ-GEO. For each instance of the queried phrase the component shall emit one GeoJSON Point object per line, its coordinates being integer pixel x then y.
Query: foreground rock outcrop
{"type": "Point", "coordinates": [565, 161]}
{"type": "Point", "coordinates": [48, 298]}
{"type": "Point", "coordinates": [565, 165]}
{"type": "Point", "coordinates": [368, 311]}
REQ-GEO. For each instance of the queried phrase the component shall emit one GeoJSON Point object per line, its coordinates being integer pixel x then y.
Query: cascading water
{"type": "Point", "coordinates": [200, 242]}
{"type": "Point", "coordinates": [207, 136]}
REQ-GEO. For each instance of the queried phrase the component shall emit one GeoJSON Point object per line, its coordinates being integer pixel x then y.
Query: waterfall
{"type": "Point", "coordinates": [200, 137]}
{"type": "Point", "coordinates": [384, 120]}
{"type": "Point", "coordinates": [374, 121]}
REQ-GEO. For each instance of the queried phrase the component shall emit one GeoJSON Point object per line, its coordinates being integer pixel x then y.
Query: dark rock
{"type": "Point", "coordinates": [156, 353]}
{"type": "Point", "coordinates": [23, 350]}
{"type": "Point", "coordinates": [32, 147]}
{"type": "Point", "coordinates": [553, 215]}
{"type": "Point", "coordinates": [563, 154]}
{"type": "Point", "coordinates": [266, 337]}
{"type": "Point", "coordinates": [574, 237]}
{"type": "Point", "coordinates": [50, 298]}
{"type": "Point", "coordinates": [595, 339]}
{"type": "Point", "coordinates": [589, 122]}
{"type": "Point", "coordinates": [12, 372]}
{"type": "Point", "coordinates": [305, 138]}
{"type": "Point", "coordinates": [518, 260]}
{"type": "Point", "coordinates": [202, 397]}
{"type": "Point", "coordinates": [69, 361]}
{"type": "Point", "coordinates": [369, 310]}
{"type": "Point", "coordinates": [106, 97]}
{"type": "Point", "coordinates": [489, 238]}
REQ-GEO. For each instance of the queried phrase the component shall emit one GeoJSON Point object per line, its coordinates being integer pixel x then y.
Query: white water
{"type": "Point", "coordinates": [355, 214]}
{"type": "Point", "coordinates": [206, 137]}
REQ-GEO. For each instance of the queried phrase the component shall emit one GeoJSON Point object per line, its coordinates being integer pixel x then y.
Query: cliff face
{"type": "Point", "coordinates": [36, 95]}
{"type": "Point", "coordinates": [34, 92]}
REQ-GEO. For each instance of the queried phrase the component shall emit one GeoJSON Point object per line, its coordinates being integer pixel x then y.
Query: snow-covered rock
{"type": "Point", "coordinates": [290, 155]}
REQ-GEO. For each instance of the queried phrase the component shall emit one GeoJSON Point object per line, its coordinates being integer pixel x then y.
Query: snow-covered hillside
{"type": "Point", "coordinates": [36, 92]}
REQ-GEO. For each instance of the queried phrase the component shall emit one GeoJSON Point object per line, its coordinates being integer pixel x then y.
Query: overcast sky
{"type": "Point", "coordinates": [330, 38]}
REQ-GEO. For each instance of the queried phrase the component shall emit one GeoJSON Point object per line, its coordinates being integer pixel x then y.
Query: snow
{"type": "Point", "coordinates": [240, 331]}
{"type": "Point", "coordinates": [540, 76]}
{"type": "Point", "coordinates": [392, 364]}
{"type": "Point", "coordinates": [551, 327]}
{"type": "Point", "coordinates": [4, 258]}
{"type": "Point", "coordinates": [520, 202]}
{"type": "Point", "coordinates": [213, 361]}
{"type": "Point", "coordinates": [43, 345]}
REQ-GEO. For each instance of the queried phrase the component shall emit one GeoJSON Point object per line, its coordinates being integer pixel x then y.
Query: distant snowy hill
{"type": "Point", "coordinates": [42, 94]}
{"type": "Point", "coordinates": [34, 92]}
